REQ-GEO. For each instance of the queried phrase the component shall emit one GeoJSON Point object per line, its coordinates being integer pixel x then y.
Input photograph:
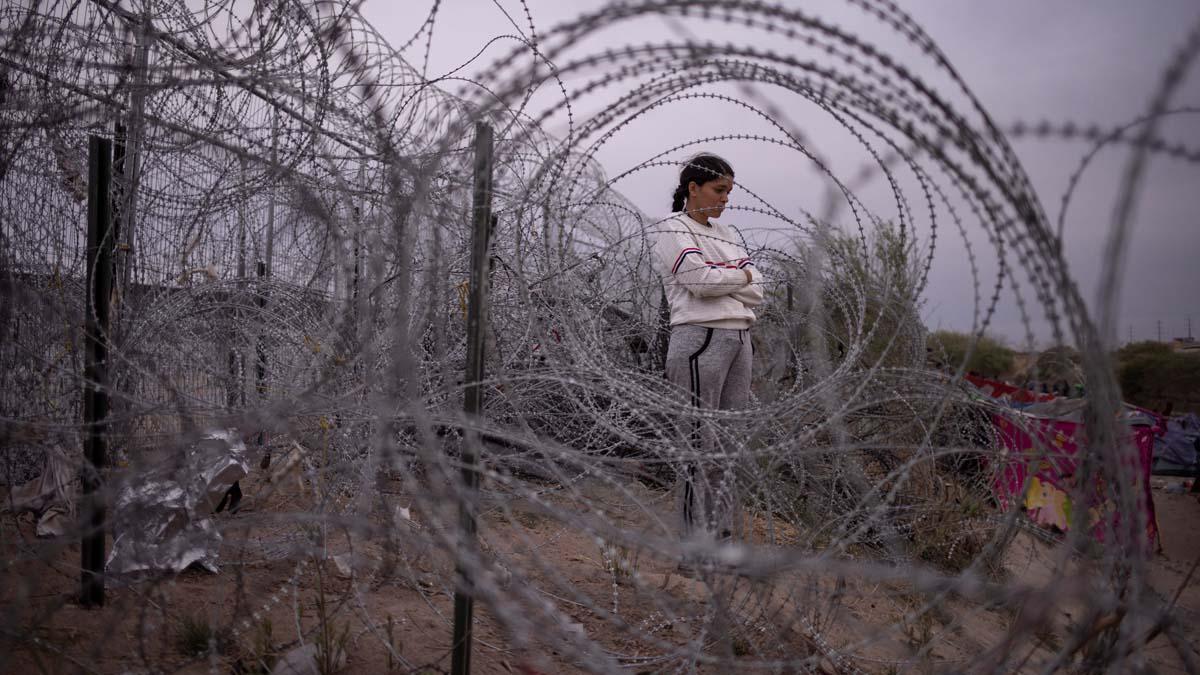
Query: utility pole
{"type": "Point", "coordinates": [1160, 330]}
{"type": "Point", "coordinates": [1130, 333]}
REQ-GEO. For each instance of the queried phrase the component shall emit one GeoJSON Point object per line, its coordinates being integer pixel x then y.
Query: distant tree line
{"type": "Point", "coordinates": [1151, 374]}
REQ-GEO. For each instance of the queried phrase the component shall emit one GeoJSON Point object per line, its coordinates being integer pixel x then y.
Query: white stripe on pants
{"type": "Point", "coordinates": [713, 366]}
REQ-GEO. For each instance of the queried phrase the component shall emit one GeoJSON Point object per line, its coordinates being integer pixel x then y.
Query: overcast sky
{"type": "Point", "coordinates": [1087, 61]}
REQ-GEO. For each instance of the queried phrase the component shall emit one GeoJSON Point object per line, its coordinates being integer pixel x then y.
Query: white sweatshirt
{"type": "Point", "coordinates": [702, 270]}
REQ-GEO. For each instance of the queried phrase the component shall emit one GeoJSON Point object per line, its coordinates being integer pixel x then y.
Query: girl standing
{"type": "Point", "coordinates": [711, 286]}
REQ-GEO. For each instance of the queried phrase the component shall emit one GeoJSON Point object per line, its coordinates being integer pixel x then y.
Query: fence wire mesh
{"type": "Point", "coordinates": [292, 211]}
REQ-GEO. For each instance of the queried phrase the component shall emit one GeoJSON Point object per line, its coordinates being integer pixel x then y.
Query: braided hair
{"type": "Point", "coordinates": [699, 170]}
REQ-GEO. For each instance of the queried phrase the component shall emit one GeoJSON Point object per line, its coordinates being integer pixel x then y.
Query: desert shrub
{"type": "Point", "coordinates": [872, 297]}
{"type": "Point", "coordinates": [1059, 363]}
{"type": "Point", "coordinates": [1151, 375]}
{"type": "Point", "coordinates": [989, 357]}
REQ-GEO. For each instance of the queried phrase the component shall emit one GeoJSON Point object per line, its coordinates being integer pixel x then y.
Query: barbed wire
{"type": "Point", "coordinates": [293, 203]}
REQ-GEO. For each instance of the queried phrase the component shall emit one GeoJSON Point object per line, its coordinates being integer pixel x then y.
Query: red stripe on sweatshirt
{"type": "Point", "coordinates": [679, 260]}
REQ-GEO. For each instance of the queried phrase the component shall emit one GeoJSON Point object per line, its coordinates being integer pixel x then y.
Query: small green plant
{"type": "Point", "coordinates": [196, 636]}
{"type": "Point", "coordinates": [919, 633]}
{"type": "Point", "coordinates": [330, 642]}
{"type": "Point", "coordinates": [621, 562]}
{"type": "Point", "coordinates": [260, 655]}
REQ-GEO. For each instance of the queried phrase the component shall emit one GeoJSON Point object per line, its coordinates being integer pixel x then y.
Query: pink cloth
{"type": "Point", "coordinates": [1045, 452]}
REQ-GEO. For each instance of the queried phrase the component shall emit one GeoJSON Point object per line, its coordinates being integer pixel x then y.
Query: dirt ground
{"type": "Point", "coordinates": [1179, 523]}
{"type": "Point", "coordinates": [275, 589]}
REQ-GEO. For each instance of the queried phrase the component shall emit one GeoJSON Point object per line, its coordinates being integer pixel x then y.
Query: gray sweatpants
{"type": "Point", "coordinates": [713, 366]}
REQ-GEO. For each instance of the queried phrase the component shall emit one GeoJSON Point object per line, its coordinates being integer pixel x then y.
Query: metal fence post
{"type": "Point", "coordinates": [260, 356]}
{"type": "Point", "coordinates": [96, 378]}
{"type": "Point", "coordinates": [460, 663]}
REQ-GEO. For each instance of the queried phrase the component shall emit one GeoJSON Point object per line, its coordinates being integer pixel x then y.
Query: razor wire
{"type": "Point", "coordinates": [293, 204]}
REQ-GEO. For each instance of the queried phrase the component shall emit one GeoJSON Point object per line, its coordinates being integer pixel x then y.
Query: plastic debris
{"type": "Point", "coordinates": [50, 496]}
{"type": "Point", "coordinates": [163, 519]}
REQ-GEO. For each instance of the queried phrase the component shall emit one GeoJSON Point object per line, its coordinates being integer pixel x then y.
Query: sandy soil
{"type": "Point", "coordinates": [647, 608]}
